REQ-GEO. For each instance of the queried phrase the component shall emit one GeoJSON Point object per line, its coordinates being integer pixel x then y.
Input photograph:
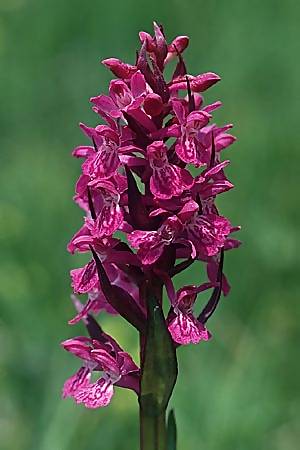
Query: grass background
{"type": "Point", "coordinates": [239, 391]}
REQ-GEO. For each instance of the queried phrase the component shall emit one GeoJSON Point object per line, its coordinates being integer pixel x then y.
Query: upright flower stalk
{"type": "Point", "coordinates": [137, 180]}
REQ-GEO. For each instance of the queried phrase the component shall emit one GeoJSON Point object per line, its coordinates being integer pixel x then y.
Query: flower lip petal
{"type": "Point", "coordinates": [76, 382]}
{"type": "Point", "coordinates": [167, 180]}
{"type": "Point", "coordinates": [96, 395]}
{"type": "Point", "coordinates": [185, 329]}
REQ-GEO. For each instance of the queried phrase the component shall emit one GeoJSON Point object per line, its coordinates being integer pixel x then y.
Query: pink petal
{"type": "Point", "coordinates": [215, 188]}
{"type": "Point", "coordinates": [197, 120]}
{"type": "Point", "coordinates": [108, 221]}
{"type": "Point", "coordinates": [85, 278]}
{"type": "Point", "coordinates": [212, 106]}
{"type": "Point", "coordinates": [179, 110]}
{"type": "Point", "coordinates": [146, 37]}
{"type": "Point", "coordinates": [104, 163]}
{"type": "Point", "coordinates": [209, 232]}
{"type": "Point", "coordinates": [83, 151]}
{"type": "Point", "coordinates": [96, 395]}
{"type": "Point", "coordinates": [79, 346]}
{"type": "Point", "coordinates": [185, 329]}
{"type": "Point", "coordinates": [80, 240]}
{"type": "Point", "coordinates": [186, 296]}
{"type": "Point", "coordinates": [120, 93]}
{"type": "Point", "coordinates": [178, 45]}
{"type": "Point", "coordinates": [198, 84]}
{"type": "Point", "coordinates": [224, 140]}
{"type": "Point", "coordinates": [105, 104]}
{"type": "Point", "coordinates": [76, 382]}
{"type": "Point", "coordinates": [167, 180]}
{"type": "Point", "coordinates": [127, 363]}
{"type": "Point", "coordinates": [142, 118]}
{"type": "Point", "coordinates": [212, 271]}
{"type": "Point", "coordinates": [83, 313]}
{"type": "Point", "coordinates": [106, 361]}
{"type": "Point", "coordinates": [137, 238]}
{"type": "Point", "coordinates": [204, 81]}
{"type": "Point", "coordinates": [150, 245]}
{"type": "Point", "coordinates": [138, 84]}
{"type": "Point", "coordinates": [188, 211]}
{"type": "Point", "coordinates": [91, 133]}
{"type": "Point", "coordinates": [170, 181]}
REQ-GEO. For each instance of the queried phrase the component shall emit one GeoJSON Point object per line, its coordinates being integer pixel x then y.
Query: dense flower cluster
{"type": "Point", "coordinates": [151, 173]}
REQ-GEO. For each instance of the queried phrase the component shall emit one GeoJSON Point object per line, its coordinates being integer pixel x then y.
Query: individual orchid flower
{"type": "Point", "coordinates": [207, 232]}
{"type": "Point", "coordinates": [167, 180]}
{"type": "Point", "coordinates": [151, 244]}
{"type": "Point", "coordinates": [109, 215]}
{"type": "Point", "coordinates": [85, 278]}
{"type": "Point", "coordinates": [104, 161]}
{"type": "Point", "coordinates": [138, 101]}
{"type": "Point", "coordinates": [188, 147]}
{"type": "Point", "coordinates": [104, 357]}
{"type": "Point", "coordinates": [212, 182]}
{"type": "Point", "coordinates": [121, 97]}
{"type": "Point", "coordinates": [184, 327]}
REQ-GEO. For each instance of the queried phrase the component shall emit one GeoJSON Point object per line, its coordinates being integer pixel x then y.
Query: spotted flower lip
{"type": "Point", "coordinates": [151, 175]}
{"type": "Point", "coordinates": [184, 327]}
{"type": "Point", "coordinates": [121, 97]}
{"type": "Point", "coordinates": [105, 161]}
{"type": "Point", "coordinates": [167, 180]}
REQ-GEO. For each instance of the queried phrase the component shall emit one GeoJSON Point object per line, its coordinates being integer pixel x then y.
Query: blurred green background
{"type": "Point", "coordinates": [240, 390]}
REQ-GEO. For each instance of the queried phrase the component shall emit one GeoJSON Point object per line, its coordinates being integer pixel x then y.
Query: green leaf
{"type": "Point", "coordinates": [171, 431]}
{"type": "Point", "coordinates": [159, 362]}
{"type": "Point", "coordinates": [118, 298]}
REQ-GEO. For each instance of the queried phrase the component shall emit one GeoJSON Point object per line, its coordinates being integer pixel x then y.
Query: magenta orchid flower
{"type": "Point", "coordinates": [184, 327]}
{"type": "Point", "coordinates": [150, 181]}
{"type": "Point", "coordinates": [108, 359]}
{"type": "Point", "coordinates": [151, 244]}
{"type": "Point", "coordinates": [167, 180]}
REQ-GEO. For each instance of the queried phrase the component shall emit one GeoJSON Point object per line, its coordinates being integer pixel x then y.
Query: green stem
{"type": "Point", "coordinates": [158, 373]}
{"type": "Point", "coordinates": [153, 432]}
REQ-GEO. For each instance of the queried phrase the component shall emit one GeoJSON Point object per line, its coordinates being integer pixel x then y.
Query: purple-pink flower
{"type": "Point", "coordinates": [152, 170]}
{"type": "Point", "coordinates": [104, 357]}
